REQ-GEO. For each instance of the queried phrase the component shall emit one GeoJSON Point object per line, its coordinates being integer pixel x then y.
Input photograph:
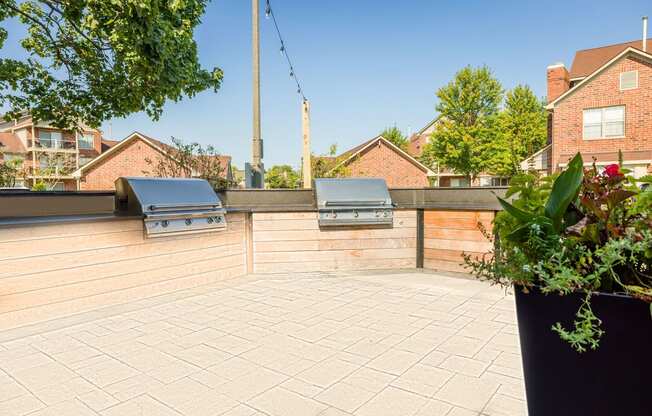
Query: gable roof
{"type": "Point", "coordinates": [11, 143]}
{"type": "Point", "coordinates": [159, 146]}
{"type": "Point", "coordinates": [114, 149]}
{"type": "Point", "coordinates": [588, 61]}
{"type": "Point", "coordinates": [349, 155]}
{"type": "Point", "coordinates": [626, 52]}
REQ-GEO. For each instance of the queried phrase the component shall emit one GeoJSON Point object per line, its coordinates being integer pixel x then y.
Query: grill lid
{"type": "Point", "coordinates": [170, 205]}
{"type": "Point", "coordinates": [353, 201]}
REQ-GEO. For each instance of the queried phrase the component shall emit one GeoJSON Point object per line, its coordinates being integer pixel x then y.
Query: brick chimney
{"type": "Point", "coordinates": [558, 81]}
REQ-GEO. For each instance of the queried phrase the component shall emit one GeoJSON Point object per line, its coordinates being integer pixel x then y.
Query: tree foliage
{"type": "Point", "coordinates": [50, 169]}
{"type": "Point", "coordinates": [11, 171]}
{"type": "Point", "coordinates": [92, 60]}
{"type": "Point", "coordinates": [282, 176]}
{"type": "Point", "coordinates": [474, 135]}
{"type": "Point", "coordinates": [186, 160]}
{"type": "Point", "coordinates": [329, 165]}
{"type": "Point", "coordinates": [468, 106]}
{"type": "Point", "coordinates": [394, 135]}
{"type": "Point", "coordinates": [521, 131]}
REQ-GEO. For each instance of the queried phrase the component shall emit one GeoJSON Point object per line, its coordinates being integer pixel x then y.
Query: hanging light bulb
{"type": "Point", "coordinates": [282, 50]}
{"type": "Point", "coordinates": [268, 10]}
{"type": "Point", "coordinates": [291, 72]}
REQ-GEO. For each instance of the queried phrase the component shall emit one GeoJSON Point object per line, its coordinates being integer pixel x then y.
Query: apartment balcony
{"type": "Point", "coordinates": [64, 146]}
{"type": "Point", "coordinates": [50, 173]}
{"type": "Point", "coordinates": [271, 315]}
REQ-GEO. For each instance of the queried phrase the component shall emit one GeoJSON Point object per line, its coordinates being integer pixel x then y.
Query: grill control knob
{"type": "Point", "coordinates": [355, 214]}
{"type": "Point", "coordinates": [209, 220]}
{"type": "Point", "coordinates": [218, 219]}
{"type": "Point", "coordinates": [188, 221]}
{"type": "Point", "coordinates": [164, 223]}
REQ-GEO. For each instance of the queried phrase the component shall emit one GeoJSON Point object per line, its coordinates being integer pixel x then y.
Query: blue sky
{"type": "Point", "coordinates": [368, 64]}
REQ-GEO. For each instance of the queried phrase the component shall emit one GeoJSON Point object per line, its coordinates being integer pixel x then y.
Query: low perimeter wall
{"type": "Point", "coordinates": [293, 242]}
{"type": "Point", "coordinates": [449, 234]}
{"type": "Point", "coordinates": [54, 265]}
{"type": "Point", "coordinates": [53, 270]}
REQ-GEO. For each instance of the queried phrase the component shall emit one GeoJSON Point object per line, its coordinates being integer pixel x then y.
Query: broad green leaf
{"type": "Point", "coordinates": [519, 214]}
{"type": "Point", "coordinates": [564, 191]}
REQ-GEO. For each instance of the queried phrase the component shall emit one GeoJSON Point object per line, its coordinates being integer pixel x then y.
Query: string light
{"type": "Point", "coordinates": [283, 50]}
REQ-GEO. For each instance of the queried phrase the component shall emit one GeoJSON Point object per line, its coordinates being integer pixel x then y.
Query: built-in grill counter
{"type": "Point", "coordinates": [353, 202]}
{"type": "Point", "coordinates": [170, 206]}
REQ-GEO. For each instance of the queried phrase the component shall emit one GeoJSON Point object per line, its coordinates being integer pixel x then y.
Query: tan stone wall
{"type": "Point", "coordinates": [51, 271]}
{"type": "Point", "coordinates": [128, 161]}
{"type": "Point", "coordinates": [603, 91]}
{"type": "Point", "coordinates": [381, 161]}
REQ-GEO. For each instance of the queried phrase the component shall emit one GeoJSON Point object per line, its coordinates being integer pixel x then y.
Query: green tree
{"type": "Point", "coordinates": [282, 176]}
{"type": "Point", "coordinates": [91, 60]}
{"type": "Point", "coordinates": [186, 160]}
{"type": "Point", "coordinates": [11, 171]}
{"type": "Point", "coordinates": [468, 107]}
{"type": "Point", "coordinates": [394, 135]}
{"type": "Point", "coordinates": [329, 165]}
{"type": "Point", "coordinates": [522, 131]}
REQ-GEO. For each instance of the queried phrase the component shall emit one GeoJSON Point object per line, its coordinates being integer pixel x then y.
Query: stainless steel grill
{"type": "Point", "coordinates": [353, 201]}
{"type": "Point", "coordinates": [170, 206]}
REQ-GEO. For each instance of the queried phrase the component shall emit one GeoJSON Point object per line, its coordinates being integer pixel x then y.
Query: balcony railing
{"type": "Point", "coordinates": [51, 172]}
{"type": "Point", "coordinates": [52, 144]}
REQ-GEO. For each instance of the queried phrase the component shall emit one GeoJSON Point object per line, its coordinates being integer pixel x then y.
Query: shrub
{"type": "Point", "coordinates": [586, 232]}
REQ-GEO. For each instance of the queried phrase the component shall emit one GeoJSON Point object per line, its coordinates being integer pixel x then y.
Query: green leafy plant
{"type": "Point", "coordinates": [588, 232]}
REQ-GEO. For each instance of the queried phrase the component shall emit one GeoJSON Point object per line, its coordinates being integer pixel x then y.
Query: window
{"type": "Point", "coordinates": [499, 181]}
{"type": "Point", "coordinates": [628, 80]}
{"type": "Point", "coordinates": [604, 122]}
{"type": "Point", "coordinates": [459, 182]}
{"type": "Point", "coordinates": [84, 160]}
{"type": "Point", "coordinates": [51, 139]}
{"type": "Point", "coordinates": [86, 141]}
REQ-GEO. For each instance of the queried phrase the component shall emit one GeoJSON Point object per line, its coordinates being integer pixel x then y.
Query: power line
{"type": "Point", "coordinates": [284, 50]}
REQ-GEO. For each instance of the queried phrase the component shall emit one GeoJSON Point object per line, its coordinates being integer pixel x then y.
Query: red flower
{"type": "Point", "coordinates": [612, 170]}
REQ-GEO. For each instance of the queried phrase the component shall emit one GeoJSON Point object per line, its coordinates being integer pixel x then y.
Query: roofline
{"type": "Point", "coordinates": [122, 143]}
{"type": "Point", "coordinates": [589, 77]}
{"type": "Point", "coordinates": [436, 119]}
{"type": "Point", "coordinates": [394, 147]}
{"type": "Point", "coordinates": [538, 152]}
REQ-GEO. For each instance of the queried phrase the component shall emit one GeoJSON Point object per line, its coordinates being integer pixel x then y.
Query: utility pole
{"type": "Point", "coordinates": [305, 128]}
{"type": "Point", "coordinates": [254, 173]}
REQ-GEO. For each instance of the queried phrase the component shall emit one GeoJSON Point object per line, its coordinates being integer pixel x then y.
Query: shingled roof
{"type": "Point", "coordinates": [11, 143]}
{"type": "Point", "coordinates": [588, 61]}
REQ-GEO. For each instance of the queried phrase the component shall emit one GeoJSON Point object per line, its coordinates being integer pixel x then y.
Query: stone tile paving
{"type": "Point", "coordinates": [363, 344]}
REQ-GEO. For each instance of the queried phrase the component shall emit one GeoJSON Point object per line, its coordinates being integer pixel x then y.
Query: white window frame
{"type": "Point", "coordinates": [603, 122]}
{"type": "Point", "coordinates": [620, 79]}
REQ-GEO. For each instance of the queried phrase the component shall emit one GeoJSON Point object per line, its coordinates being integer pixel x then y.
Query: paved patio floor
{"type": "Point", "coordinates": [370, 344]}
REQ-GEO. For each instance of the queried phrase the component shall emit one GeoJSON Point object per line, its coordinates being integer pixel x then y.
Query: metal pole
{"type": "Point", "coordinates": [305, 127]}
{"type": "Point", "coordinates": [257, 150]}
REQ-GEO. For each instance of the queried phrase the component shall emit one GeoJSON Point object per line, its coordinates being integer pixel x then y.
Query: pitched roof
{"type": "Point", "coordinates": [11, 143]}
{"type": "Point", "coordinates": [348, 156]}
{"type": "Point", "coordinates": [107, 144]}
{"type": "Point", "coordinates": [626, 52]}
{"type": "Point", "coordinates": [588, 61]}
{"type": "Point", "coordinates": [157, 145]}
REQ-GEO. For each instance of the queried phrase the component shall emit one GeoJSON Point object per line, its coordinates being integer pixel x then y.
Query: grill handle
{"type": "Point", "coordinates": [355, 203]}
{"type": "Point", "coordinates": [175, 207]}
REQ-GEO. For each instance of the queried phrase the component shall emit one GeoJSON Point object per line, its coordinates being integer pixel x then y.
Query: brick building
{"type": "Point", "coordinates": [603, 105]}
{"type": "Point", "coordinates": [379, 158]}
{"type": "Point", "coordinates": [128, 157]}
{"type": "Point", "coordinates": [48, 154]}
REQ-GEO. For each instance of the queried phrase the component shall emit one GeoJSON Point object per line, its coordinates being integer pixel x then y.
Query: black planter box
{"type": "Point", "coordinates": [615, 379]}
